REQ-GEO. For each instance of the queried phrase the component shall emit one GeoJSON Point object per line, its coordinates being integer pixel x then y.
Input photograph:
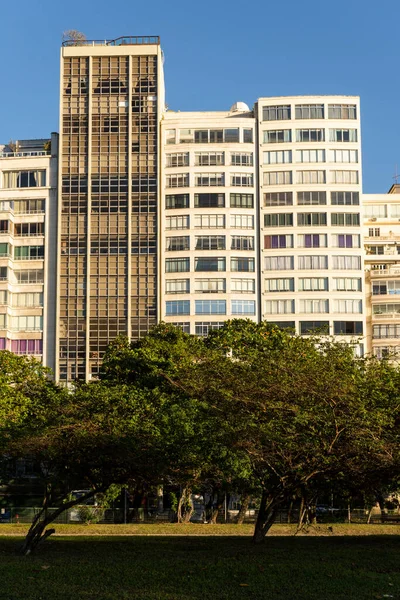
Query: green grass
{"type": "Point", "coordinates": [193, 568]}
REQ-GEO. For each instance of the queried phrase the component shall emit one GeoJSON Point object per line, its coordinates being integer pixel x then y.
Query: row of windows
{"type": "Point", "coordinates": [312, 219]}
{"type": "Point", "coordinates": [24, 179]}
{"type": "Point", "coordinates": [22, 346]}
{"type": "Point", "coordinates": [313, 262]}
{"type": "Point", "coordinates": [21, 299]}
{"type": "Point", "coordinates": [306, 327]}
{"type": "Point", "coordinates": [21, 323]}
{"type": "Point", "coordinates": [310, 156]}
{"type": "Point", "coordinates": [25, 207]}
{"type": "Point", "coordinates": [320, 305]}
{"type": "Point", "coordinates": [279, 136]}
{"type": "Point", "coordinates": [210, 222]}
{"type": "Point", "coordinates": [22, 252]}
{"type": "Point", "coordinates": [383, 309]}
{"type": "Point", "coordinates": [385, 331]}
{"type": "Point", "coordinates": [381, 210]}
{"type": "Point", "coordinates": [209, 159]}
{"type": "Point", "coordinates": [207, 200]}
{"type": "Point", "coordinates": [209, 242]}
{"type": "Point", "coordinates": [316, 240]}
{"type": "Point", "coordinates": [209, 286]}
{"type": "Point", "coordinates": [309, 111]}
{"type": "Point", "coordinates": [383, 288]}
{"type": "Point", "coordinates": [208, 136]}
{"type": "Point", "coordinates": [314, 284]}
{"type": "Point", "coordinates": [307, 177]}
{"type": "Point", "coordinates": [210, 307]}
{"type": "Point", "coordinates": [21, 229]}
{"type": "Point", "coordinates": [209, 180]}
{"type": "Point", "coordinates": [312, 198]}
{"type": "Point", "coordinates": [205, 264]}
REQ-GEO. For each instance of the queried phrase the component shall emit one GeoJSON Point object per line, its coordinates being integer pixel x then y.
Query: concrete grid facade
{"type": "Point", "coordinates": [146, 214]}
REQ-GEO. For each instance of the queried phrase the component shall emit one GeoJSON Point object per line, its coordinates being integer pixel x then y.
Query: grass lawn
{"type": "Point", "coordinates": [311, 567]}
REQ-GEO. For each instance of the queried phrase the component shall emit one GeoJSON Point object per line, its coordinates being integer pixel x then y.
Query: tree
{"type": "Point", "coordinates": [74, 37]}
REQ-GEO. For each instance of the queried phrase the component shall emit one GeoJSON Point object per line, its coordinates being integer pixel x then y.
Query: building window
{"type": "Point", "coordinates": [27, 299]}
{"type": "Point", "coordinates": [343, 156]}
{"type": "Point", "coordinates": [312, 240]}
{"type": "Point", "coordinates": [28, 252]}
{"type": "Point", "coordinates": [348, 306]}
{"type": "Point", "coordinates": [342, 111]}
{"type": "Point", "coordinates": [283, 324]}
{"type": "Point", "coordinates": [386, 287]}
{"type": "Point", "coordinates": [170, 136]}
{"type": "Point", "coordinates": [278, 241]}
{"type": "Point", "coordinates": [215, 136]}
{"type": "Point", "coordinates": [204, 328]}
{"type": "Point", "coordinates": [177, 201]}
{"type": "Point", "coordinates": [347, 328]}
{"type": "Point", "coordinates": [376, 210]}
{"type": "Point", "coordinates": [177, 265]}
{"type": "Point", "coordinates": [185, 327]}
{"type": "Point", "coordinates": [345, 219]}
{"type": "Point", "coordinates": [277, 157]}
{"type": "Point", "coordinates": [24, 179]}
{"type": "Point", "coordinates": [177, 286]}
{"type": "Point", "coordinates": [209, 200]}
{"type": "Point", "coordinates": [342, 240]}
{"type": "Point", "coordinates": [26, 323]}
{"type": "Point", "coordinates": [209, 179]}
{"type": "Point", "coordinates": [345, 198]}
{"type": "Point", "coordinates": [311, 177]}
{"type": "Point", "coordinates": [242, 179]}
{"type": "Point", "coordinates": [279, 307]}
{"type": "Point", "coordinates": [242, 242]}
{"type": "Point", "coordinates": [277, 178]}
{"type": "Point", "coordinates": [313, 262]}
{"type": "Point", "coordinates": [310, 156]}
{"type": "Point", "coordinates": [280, 285]}
{"type": "Point", "coordinates": [28, 229]}
{"type": "Point", "coordinates": [209, 159]}
{"type": "Point", "coordinates": [177, 159]}
{"type": "Point", "coordinates": [177, 180]}
{"type": "Point", "coordinates": [177, 307]}
{"type": "Point", "coordinates": [5, 250]}
{"type": "Point", "coordinates": [177, 243]}
{"type": "Point", "coordinates": [247, 136]}
{"type": "Point", "coordinates": [32, 276]}
{"type": "Point", "coordinates": [242, 159]}
{"type": "Point", "coordinates": [278, 219]}
{"type": "Point", "coordinates": [310, 135]}
{"type": "Point", "coordinates": [210, 286]}
{"type": "Point", "coordinates": [243, 286]}
{"type": "Point", "coordinates": [242, 222]}
{"type": "Point", "coordinates": [395, 210]}
{"type": "Point", "coordinates": [3, 297]}
{"type": "Point", "coordinates": [276, 113]}
{"type": "Point", "coordinates": [177, 222]}
{"type": "Point", "coordinates": [314, 306]}
{"type": "Point", "coordinates": [243, 265]}
{"type": "Point", "coordinates": [279, 263]}
{"type": "Point", "coordinates": [310, 111]}
{"type": "Point", "coordinates": [3, 273]}
{"type": "Point", "coordinates": [277, 136]}
{"type": "Point", "coordinates": [243, 307]}
{"type": "Point", "coordinates": [385, 331]}
{"type": "Point", "coordinates": [386, 309]}
{"type": "Point", "coordinates": [242, 200]}
{"type": "Point", "coordinates": [278, 199]}
{"type": "Point", "coordinates": [209, 221]}
{"type": "Point", "coordinates": [344, 177]}
{"type": "Point", "coordinates": [210, 307]}
{"type": "Point", "coordinates": [27, 346]}
{"type": "Point", "coordinates": [27, 207]}
{"type": "Point", "coordinates": [343, 135]}
{"type": "Point", "coordinates": [313, 284]}
{"type": "Point", "coordinates": [314, 327]}
{"type": "Point", "coordinates": [311, 219]}
{"type": "Point", "coordinates": [210, 264]}
{"type": "Point", "coordinates": [346, 263]}
{"type": "Point", "coordinates": [311, 198]}
{"type": "Point", "coordinates": [347, 284]}
{"type": "Point", "coordinates": [210, 242]}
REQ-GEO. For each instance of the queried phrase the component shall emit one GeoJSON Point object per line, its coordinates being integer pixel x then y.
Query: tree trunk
{"type": "Point", "coordinates": [266, 515]}
{"type": "Point", "coordinates": [289, 515]}
{"type": "Point", "coordinates": [244, 505]}
{"type": "Point", "coordinates": [185, 505]}
{"type": "Point", "coordinates": [217, 508]}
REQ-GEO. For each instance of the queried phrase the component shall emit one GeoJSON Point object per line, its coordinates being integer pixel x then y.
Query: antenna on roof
{"type": "Point", "coordinates": [396, 174]}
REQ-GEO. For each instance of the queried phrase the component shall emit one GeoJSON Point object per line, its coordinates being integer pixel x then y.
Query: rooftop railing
{"type": "Point", "coordinates": [125, 40]}
{"type": "Point", "coordinates": [19, 154]}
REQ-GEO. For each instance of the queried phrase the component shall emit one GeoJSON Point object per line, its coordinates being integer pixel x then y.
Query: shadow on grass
{"type": "Point", "coordinates": [186, 568]}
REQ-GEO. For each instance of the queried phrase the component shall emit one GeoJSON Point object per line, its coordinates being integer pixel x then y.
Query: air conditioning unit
{"type": "Point", "coordinates": [372, 219]}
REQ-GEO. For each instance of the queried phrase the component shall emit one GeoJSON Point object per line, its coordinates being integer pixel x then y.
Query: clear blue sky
{"type": "Point", "coordinates": [218, 53]}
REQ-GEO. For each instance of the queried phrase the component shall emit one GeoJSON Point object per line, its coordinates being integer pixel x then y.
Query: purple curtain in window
{"type": "Point", "coordinates": [341, 241]}
{"type": "Point", "coordinates": [2, 343]}
{"type": "Point", "coordinates": [14, 346]}
{"type": "Point", "coordinates": [315, 240]}
{"type": "Point", "coordinates": [349, 241]}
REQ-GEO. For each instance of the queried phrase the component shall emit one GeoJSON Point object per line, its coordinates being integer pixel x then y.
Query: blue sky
{"type": "Point", "coordinates": [218, 53]}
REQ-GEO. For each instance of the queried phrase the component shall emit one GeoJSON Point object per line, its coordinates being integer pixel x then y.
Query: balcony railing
{"type": "Point", "coordinates": [20, 154]}
{"type": "Point", "coordinates": [388, 315]}
{"type": "Point", "coordinates": [125, 40]}
{"type": "Point", "coordinates": [380, 272]}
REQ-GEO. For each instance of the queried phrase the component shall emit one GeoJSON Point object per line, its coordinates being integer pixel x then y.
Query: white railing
{"type": "Point", "coordinates": [24, 154]}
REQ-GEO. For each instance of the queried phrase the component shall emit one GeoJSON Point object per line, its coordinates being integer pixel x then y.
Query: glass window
{"type": "Point", "coordinates": [210, 242]}
{"type": "Point", "coordinates": [178, 222]}
{"type": "Point", "coordinates": [177, 265]}
{"type": "Point", "coordinates": [345, 219]}
{"type": "Point", "coordinates": [342, 240]}
{"type": "Point", "coordinates": [170, 136]}
{"type": "Point", "coordinates": [243, 286]}
{"type": "Point", "coordinates": [347, 328]}
{"type": "Point", "coordinates": [209, 159]}
{"type": "Point", "coordinates": [310, 111]}
{"type": "Point", "coordinates": [343, 135]}
{"type": "Point", "coordinates": [277, 157]}
{"type": "Point", "coordinates": [242, 264]}
{"type": "Point", "coordinates": [242, 200]}
{"type": "Point", "coordinates": [177, 307]}
{"type": "Point", "coordinates": [277, 136]}
{"type": "Point", "coordinates": [312, 240]}
{"type": "Point", "coordinates": [177, 180]}
{"type": "Point", "coordinates": [231, 135]}
{"type": "Point", "coordinates": [31, 276]}
{"type": "Point", "coordinates": [242, 159]}
{"type": "Point", "coordinates": [344, 177]}
{"type": "Point", "coordinates": [26, 323]}
{"type": "Point", "coordinates": [276, 113]}
{"type": "Point", "coordinates": [310, 135]}
{"type": "Point", "coordinates": [247, 136]}
{"type": "Point", "coordinates": [348, 306]}
{"type": "Point", "coordinates": [346, 262]}
{"type": "Point", "coordinates": [176, 243]}
{"type": "Point", "coordinates": [345, 198]}
{"type": "Point", "coordinates": [210, 264]}
{"type": "Point", "coordinates": [278, 263]}
{"type": "Point", "coordinates": [278, 241]}
{"type": "Point", "coordinates": [177, 159]}
{"type": "Point", "coordinates": [186, 136]}
{"type": "Point", "coordinates": [177, 286]}
{"type": "Point", "coordinates": [314, 306]}
{"type": "Point", "coordinates": [313, 284]}
{"type": "Point", "coordinates": [242, 222]}
{"type": "Point", "coordinates": [177, 201]}
{"type": "Point", "coordinates": [343, 156]}
{"type": "Point", "coordinates": [243, 307]}
{"type": "Point", "coordinates": [27, 299]}
{"type": "Point", "coordinates": [29, 206]}
{"type": "Point", "coordinates": [314, 327]}
{"type": "Point", "coordinates": [210, 307]}
{"type": "Point", "coordinates": [278, 219]}
{"type": "Point", "coordinates": [385, 331]}
{"type": "Point", "coordinates": [311, 219]}
{"type": "Point", "coordinates": [209, 179]}
{"type": "Point", "coordinates": [5, 249]}
{"type": "Point", "coordinates": [342, 111]}
{"type": "Point", "coordinates": [210, 286]}
{"type": "Point", "coordinates": [27, 346]}
{"type": "Point", "coordinates": [242, 179]}
{"type": "Point", "coordinates": [311, 198]}
{"type": "Point", "coordinates": [209, 221]}
{"type": "Point", "coordinates": [241, 242]}
{"type": "Point", "coordinates": [313, 262]}
{"type": "Point", "coordinates": [285, 284]}
{"type": "Point", "coordinates": [184, 326]}
{"type": "Point", "coordinates": [311, 177]}
{"type": "Point", "coordinates": [28, 252]}
{"type": "Point", "coordinates": [375, 210]}
{"type": "Point", "coordinates": [203, 328]}
{"type": "Point", "coordinates": [277, 178]}
{"type": "Point", "coordinates": [279, 307]}
{"type": "Point", "coordinates": [209, 200]}
{"type": "Point", "coordinates": [24, 179]}
{"type": "Point", "coordinates": [347, 284]}
{"type": "Point", "coordinates": [278, 199]}
{"type": "Point", "coordinates": [310, 156]}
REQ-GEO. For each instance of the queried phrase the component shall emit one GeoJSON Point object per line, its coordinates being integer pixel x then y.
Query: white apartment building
{"type": "Point", "coordinates": [311, 227]}
{"type": "Point", "coordinates": [382, 271]}
{"type": "Point", "coordinates": [28, 175]}
{"type": "Point", "coordinates": [209, 258]}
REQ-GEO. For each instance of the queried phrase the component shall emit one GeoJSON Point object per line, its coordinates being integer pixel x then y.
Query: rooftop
{"type": "Point", "coordinates": [125, 40]}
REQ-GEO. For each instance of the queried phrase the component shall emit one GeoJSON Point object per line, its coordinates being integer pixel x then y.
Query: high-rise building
{"type": "Point", "coordinates": [112, 99]}
{"type": "Point", "coordinates": [28, 222]}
